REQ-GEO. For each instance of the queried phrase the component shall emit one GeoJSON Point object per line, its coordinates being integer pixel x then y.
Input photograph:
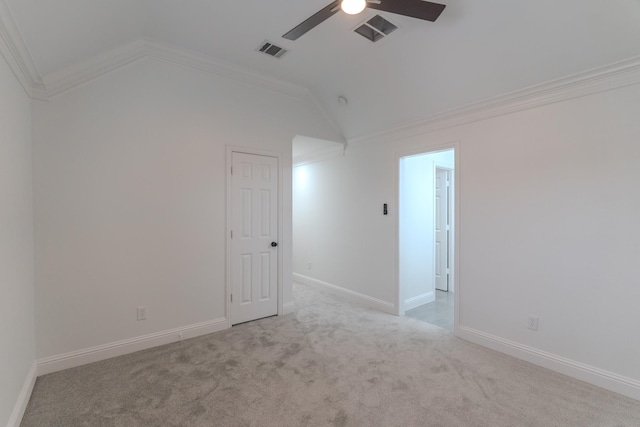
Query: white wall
{"type": "Point", "coordinates": [16, 243]}
{"type": "Point", "coordinates": [416, 227]}
{"type": "Point", "coordinates": [549, 226]}
{"type": "Point", "coordinates": [339, 224]}
{"type": "Point", "coordinates": [130, 198]}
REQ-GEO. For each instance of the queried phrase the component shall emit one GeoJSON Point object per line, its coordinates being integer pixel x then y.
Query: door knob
{"type": "Point", "coordinates": [274, 244]}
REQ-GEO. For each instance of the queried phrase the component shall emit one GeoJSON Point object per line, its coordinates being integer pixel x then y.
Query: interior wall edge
{"type": "Point", "coordinates": [288, 307]}
{"type": "Point", "coordinates": [14, 49]}
{"type": "Point", "coordinates": [599, 377]}
{"type": "Point", "coordinates": [417, 301]}
{"type": "Point", "coordinates": [318, 156]}
{"type": "Point", "coordinates": [313, 99]}
{"type": "Point", "coordinates": [357, 297]}
{"type": "Point", "coordinates": [23, 398]}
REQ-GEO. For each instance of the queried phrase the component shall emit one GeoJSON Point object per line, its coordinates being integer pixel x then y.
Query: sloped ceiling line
{"type": "Point", "coordinates": [14, 49]}
{"type": "Point", "coordinates": [81, 73]}
{"type": "Point", "coordinates": [15, 52]}
{"type": "Point", "coordinates": [203, 63]}
{"type": "Point", "coordinates": [316, 102]}
{"type": "Point", "coordinates": [612, 76]}
{"type": "Point", "coordinates": [17, 55]}
{"type": "Point", "coordinates": [86, 71]}
{"type": "Point", "coordinates": [329, 153]}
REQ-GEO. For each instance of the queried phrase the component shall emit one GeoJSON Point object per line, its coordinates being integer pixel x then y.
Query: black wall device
{"type": "Point", "coordinates": [384, 209]}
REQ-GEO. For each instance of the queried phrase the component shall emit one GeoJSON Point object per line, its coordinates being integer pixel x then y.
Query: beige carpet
{"type": "Point", "coordinates": [329, 363]}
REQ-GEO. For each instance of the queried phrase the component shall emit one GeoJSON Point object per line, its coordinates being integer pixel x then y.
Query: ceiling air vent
{"type": "Point", "coordinates": [375, 28]}
{"type": "Point", "coordinates": [271, 49]}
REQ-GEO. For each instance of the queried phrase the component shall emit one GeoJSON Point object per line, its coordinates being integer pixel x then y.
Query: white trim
{"type": "Point", "coordinates": [94, 67]}
{"type": "Point", "coordinates": [23, 399]}
{"type": "Point", "coordinates": [319, 156]}
{"type": "Point", "coordinates": [450, 252]}
{"type": "Point", "coordinates": [288, 308]}
{"type": "Point", "coordinates": [88, 70]}
{"type": "Point", "coordinates": [316, 102]}
{"type": "Point", "coordinates": [590, 374]}
{"type": "Point", "coordinates": [106, 351]}
{"type": "Point", "coordinates": [600, 79]}
{"type": "Point", "coordinates": [456, 237]}
{"type": "Point", "coordinates": [419, 300]}
{"type": "Point", "coordinates": [175, 55]}
{"type": "Point", "coordinates": [430, 149]}
{"type": "Point", "coordinates": [14, 50]}
{"type": "Point", "coordinates": [366, 300]}
{"type": "Point", "coordinates": [256, 151]}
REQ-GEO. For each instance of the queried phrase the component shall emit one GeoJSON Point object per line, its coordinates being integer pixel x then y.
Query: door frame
{"type": "Point", "coordinates": [458, 290]}
{"type": "Point", "coordinates": [258, 152]}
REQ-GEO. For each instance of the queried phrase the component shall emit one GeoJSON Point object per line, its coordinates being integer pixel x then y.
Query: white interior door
{"type": "Point", "coordinates": [442, 227]}
{"type": "Point", "coordinates": [254, 232]}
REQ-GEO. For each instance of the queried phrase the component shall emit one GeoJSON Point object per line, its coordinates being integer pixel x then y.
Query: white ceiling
{"type": "Point", "coordinates": [478, 49]}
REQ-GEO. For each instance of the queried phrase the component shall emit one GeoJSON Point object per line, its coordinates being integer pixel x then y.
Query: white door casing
{"type": "Point", "coordinates": [442, 228]}
{"type": "Point", "coordinates": [254, 229]}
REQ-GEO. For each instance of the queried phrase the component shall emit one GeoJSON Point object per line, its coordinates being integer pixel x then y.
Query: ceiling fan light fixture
{"type": "Point", "coordinates": [353, 7]}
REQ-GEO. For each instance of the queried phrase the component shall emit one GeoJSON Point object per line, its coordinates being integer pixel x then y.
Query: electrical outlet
{"type": "Point", "coordinates": [308, 265]}
{"type": "Point", "coordinates": [142, 312]}
{"type": "Point", "coordinates": [532, 323]}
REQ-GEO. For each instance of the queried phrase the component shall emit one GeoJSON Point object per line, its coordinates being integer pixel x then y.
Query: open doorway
{"type": "Point", "coordinates": [426, 237]}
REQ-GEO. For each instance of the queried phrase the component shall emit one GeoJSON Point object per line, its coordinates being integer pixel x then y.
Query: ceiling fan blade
{"type": "Point", "coordinates": [313, 21]}
{"type": "Point", "coordinates": [414, 8]}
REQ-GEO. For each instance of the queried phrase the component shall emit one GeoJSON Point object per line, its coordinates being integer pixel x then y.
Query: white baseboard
{"type": "Point", "coordinates": [288, 308]}
{"type": "Point", "coordinates": [23, 398]}
{"type": "Point", "coordinates": [363, 299]}
{"type": "Point", "coordinates": [106, 351]}
{"type": "Point", "coordinates": [419, 300]}
{"type": "Point", "coordinates": [592, 375]}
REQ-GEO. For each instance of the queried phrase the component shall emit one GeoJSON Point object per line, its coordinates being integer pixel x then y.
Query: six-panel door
{"type": "Point", "coordinates": [254, 228]}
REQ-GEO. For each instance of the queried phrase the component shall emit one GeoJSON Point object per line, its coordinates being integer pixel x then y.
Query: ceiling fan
{"type": "Point", "coordinates": [420, 9]}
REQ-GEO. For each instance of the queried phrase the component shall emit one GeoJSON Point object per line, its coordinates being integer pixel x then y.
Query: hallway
{"type": "Point", "coordinates": [439, 312]}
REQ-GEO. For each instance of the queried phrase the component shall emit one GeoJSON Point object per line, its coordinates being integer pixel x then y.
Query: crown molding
{"type": "Point", "coordinates": [93, 68]}
{"type": "Point", "coordinates": [83, 72]}
{"type": "Point", "coordinates": [15, 52]}
{"type": "Point", "coordinates": [609, 77]}
{"type": "Point", "coordinates": [19, 59]}
{"type": "Point", "coordinates": [179, 56]}
{"type": "Point", "coordinates": [319, 156]}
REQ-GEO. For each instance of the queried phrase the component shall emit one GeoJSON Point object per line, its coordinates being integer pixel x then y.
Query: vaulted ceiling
{"type": "Point", "coordinates": [476, 50]}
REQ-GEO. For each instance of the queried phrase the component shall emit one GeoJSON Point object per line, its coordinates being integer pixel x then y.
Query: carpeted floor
{"type": "Point", "coordinates": [329, 363]}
